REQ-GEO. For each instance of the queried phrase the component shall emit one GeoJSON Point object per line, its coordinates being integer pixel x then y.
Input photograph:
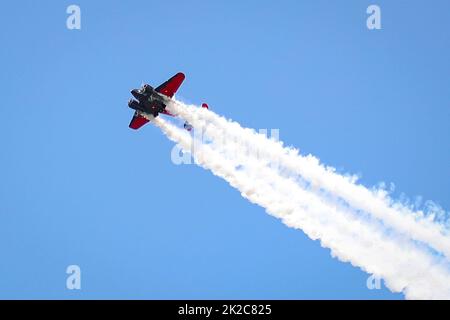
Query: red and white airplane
{"type": "Point", "coordinates": [149, 102]}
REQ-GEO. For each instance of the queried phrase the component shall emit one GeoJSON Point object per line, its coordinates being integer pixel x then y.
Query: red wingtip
{"type": "Point", "coordinates": [204, 105]}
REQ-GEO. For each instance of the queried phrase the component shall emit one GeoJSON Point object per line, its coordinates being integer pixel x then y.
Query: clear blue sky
{"type": "Point", "coordinates": [79, 187]}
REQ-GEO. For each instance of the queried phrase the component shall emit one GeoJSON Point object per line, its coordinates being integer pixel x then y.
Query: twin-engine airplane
{"type": "Point", "coordinates": [151, 102]}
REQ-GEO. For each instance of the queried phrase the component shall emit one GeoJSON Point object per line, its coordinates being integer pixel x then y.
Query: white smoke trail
{"type": "Point", "coordinates": [415, 224]}
{"type": "Point", "coordinates": [403, 266]}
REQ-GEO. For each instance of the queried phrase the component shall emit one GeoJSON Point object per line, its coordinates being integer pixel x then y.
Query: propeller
{"type": "Point", "coordinates": [142, 86]}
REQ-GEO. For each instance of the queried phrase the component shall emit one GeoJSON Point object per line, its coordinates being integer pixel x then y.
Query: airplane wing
{"type": "Point", "coordinates": [171, 86]}
{"type": "Point", "coordinates": [137, 121]}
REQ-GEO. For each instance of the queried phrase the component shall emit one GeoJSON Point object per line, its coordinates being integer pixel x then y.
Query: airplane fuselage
{"type": "Point", "coordinates": [148, 101]}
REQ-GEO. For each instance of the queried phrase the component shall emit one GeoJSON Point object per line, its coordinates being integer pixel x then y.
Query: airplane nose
{"type": "Point", "coordinates": [136, 93]}
{"type": "Point", "coordinates": [133, 104]}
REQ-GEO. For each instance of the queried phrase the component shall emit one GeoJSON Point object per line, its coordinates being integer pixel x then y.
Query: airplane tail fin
{"type": "Point", "coordinates": [187, 125]}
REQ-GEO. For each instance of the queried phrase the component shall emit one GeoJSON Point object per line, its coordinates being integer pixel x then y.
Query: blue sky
{"type": "Point", "coordinates": [79, 187]}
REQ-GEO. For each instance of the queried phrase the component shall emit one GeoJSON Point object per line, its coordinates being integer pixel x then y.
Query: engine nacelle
{"type": "Point", "coordinates": [133, 104]}
{"type": "Point", "coordinates": [146, 88]}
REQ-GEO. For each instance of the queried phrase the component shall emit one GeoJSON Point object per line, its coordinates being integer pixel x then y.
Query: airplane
{"type": "Point", "coordinates": [150, 102]}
